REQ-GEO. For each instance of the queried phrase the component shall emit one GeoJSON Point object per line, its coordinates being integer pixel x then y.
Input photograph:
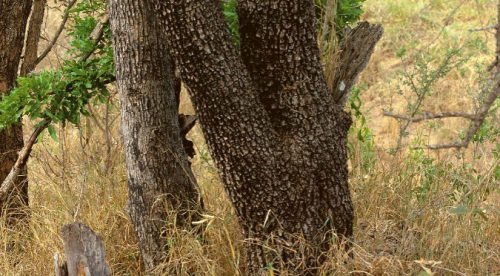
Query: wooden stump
{"type": "Point", "coordinates": [84, 252]}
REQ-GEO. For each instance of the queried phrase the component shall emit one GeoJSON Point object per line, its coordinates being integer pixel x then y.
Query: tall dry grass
{"type": "Point", "coordinates": [449, 227]}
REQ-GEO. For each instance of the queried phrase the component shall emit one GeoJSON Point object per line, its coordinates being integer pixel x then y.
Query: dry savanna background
{"type": "Point", "coordinates": [418, 211]}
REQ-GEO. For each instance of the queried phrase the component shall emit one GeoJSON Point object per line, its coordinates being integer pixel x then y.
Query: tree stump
{"type": "Point", "coordinates": [84, 250]}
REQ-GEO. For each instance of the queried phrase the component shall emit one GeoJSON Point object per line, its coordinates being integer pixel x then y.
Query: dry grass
{"type": "Point", "coordinates": [413, 215]}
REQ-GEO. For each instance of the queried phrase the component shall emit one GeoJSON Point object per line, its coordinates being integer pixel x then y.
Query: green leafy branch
{"type": "Point", "coordinates": [61, 96]}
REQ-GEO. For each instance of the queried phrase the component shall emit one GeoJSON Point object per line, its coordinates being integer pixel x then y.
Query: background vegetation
{"type": "Point", "coordinates": [418, 211]}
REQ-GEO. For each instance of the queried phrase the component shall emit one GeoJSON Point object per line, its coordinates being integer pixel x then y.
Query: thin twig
{"type": "Point", "coordinates": [431, 116]}
{"type": "Point", "coordinates": [483, 111]}
{"type": "Point", "coordinates": [477, 119]}
{"type": "Point", "coordinates": [57, 34]}
{"type": "Point", "coordinates": [482, 29]}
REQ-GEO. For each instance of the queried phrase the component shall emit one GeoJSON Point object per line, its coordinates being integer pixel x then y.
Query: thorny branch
{"type": "Point", "coordinates": [421, 93]}
{"type": "Point", "coordinates": [482, 29]}
{"type": "Point", "coordinates": [477, 118]}
{"type": "Point", "coordinates": [476, 124]}
{"type": "Point", "coordinates": [431, 116]}
{"type": "Point", "coordinates": [492, 90]}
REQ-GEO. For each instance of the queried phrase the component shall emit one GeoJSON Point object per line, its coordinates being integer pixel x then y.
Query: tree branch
{"type": "Point", "coordinates": [96, 35]}
{"type": "Point", "coordinates": [356, 50]}
{"type": "Point", "coordinates": [476, 124]}
{"type": "Point", "coordinates": [24, 154]}
{"type": "Point", "coordinates": [482, 29]}
{"type": "Point", "coordinates": [57, 34]}
{"type": "Point", "coordinates": [482, 113]}
{"type": "Point", "coordinates": [431, 116]}
{"type": "Point", "coordinates": [9, 181]}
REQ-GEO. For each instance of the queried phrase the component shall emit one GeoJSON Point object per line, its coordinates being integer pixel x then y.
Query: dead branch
{"type": "Point", "coordinates": [24, 154]}
{"type": "Point", "coordinates": [431, 116]}
{"type": "Point", "coordinates": [57, 34]}
{"type": "Point", "coordinates": [355, 51]}
{"type": "Point", "coordinates": [476, 124]}
{"type": "Point", "coordinates": [490, 99]}
{"type": "Point", "coordinates": [477, 118]}
{"type": "Point", "coordinates": [482, 29]}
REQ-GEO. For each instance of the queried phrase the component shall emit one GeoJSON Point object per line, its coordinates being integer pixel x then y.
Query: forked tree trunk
{"type": "Point", "coordinates": [13, 19]}
{"type": "Point", "coordinates": [273, 128]}
{"type": "Point", "coordinates": [159, 176]}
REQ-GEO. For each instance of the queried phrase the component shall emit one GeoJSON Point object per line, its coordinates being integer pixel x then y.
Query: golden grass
{"type": "Point", "coordinates": [413, 215]}
{"type": "Point", "coordinates": [452, 227]}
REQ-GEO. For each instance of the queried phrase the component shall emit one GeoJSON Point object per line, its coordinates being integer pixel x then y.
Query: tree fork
{"type": "Point", "coordinates": [284, 168]}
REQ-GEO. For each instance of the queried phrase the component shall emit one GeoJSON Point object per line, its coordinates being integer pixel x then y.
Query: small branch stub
{"type": "Point", "coordinates": [356, 50]}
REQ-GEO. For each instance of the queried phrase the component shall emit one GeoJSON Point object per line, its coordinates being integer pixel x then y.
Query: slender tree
{"type": "Point", "coordinates": [272, 125]}
{"type": "Point", "coordinates": [159, 174]}
{"type": "Point", "coordinates": [14, 16]}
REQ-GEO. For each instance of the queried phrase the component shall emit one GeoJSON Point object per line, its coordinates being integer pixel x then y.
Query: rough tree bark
{"type": "Point", "coordinates": [159, 175]}
{"type": "Point", "coordinates": [33, 37]}
{"type": "Point", "coordinates": [13, 19]}
{"type": "Point", "coordinates": [85, 252]}
{"type": "Point", "coordinates": [273, 128]}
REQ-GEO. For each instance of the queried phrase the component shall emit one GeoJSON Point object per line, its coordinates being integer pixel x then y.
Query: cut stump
{"type": "Point", "coordinates": [84, 252]}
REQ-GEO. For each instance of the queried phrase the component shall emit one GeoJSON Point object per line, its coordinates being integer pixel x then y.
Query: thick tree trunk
{"type": "Point", "coordinates": [273, 128]}
{"type": "Point", "coordinates": [13, 19]}
{"type": "Point", "coordinates": [159, 176]}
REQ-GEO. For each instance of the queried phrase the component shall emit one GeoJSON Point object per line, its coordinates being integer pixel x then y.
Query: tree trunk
{"type": "Point", "coordinates": [159, 176]}
{"type": "Point", "coordinates": [13, 19]}
{"type": "Point", "coordinates": [33, 37]}
{"type": "Point", "coordinates": [271, 124]}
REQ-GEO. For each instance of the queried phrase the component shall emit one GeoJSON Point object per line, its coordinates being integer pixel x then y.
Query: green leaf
{"type": "Point", "coordinates": [460, 210]}
{"type": "Point", "coordinates": [52, 133]}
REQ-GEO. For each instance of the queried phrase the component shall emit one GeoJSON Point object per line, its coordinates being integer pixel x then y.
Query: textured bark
{"type": "Point", "coordinates": [159, 175]}
{"type": "Point", "coordinates": [13, 19]}
{"type": "Point", "coordinates": [84, 250]}
{"type": "Point", "coordinates": [271, 124]}
{"type": "Point", "coordinates": [355, 51]}
{"type": "Point", "coordinates": [33, 37]}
